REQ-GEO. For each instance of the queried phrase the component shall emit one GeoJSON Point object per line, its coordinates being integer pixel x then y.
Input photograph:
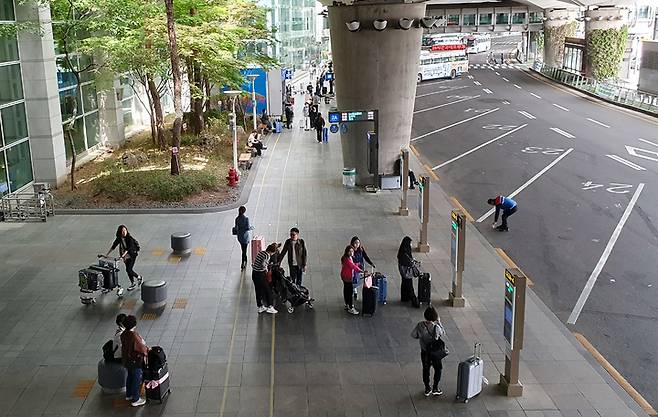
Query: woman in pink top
{"type": "Point", "coordinates": [346, 272]}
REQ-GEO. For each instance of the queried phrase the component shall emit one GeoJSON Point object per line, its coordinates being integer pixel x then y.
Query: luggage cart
{"type": "Point", "coordinates": [108, 267]}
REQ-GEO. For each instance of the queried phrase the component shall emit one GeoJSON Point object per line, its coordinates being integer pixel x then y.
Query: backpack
{"type": "Point", "coordinates": [137, 248]}
{"type": "Point", "coordinates": [108, 350]}
{"type": "Point", "coordinates": [156, 358]}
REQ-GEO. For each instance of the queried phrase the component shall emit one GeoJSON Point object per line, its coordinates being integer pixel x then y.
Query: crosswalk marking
{"type": "Point", "coordinates": [494, 66]}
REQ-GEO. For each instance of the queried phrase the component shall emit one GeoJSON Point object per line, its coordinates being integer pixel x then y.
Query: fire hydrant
{"type": "Point", "coordinates": [232, 177]}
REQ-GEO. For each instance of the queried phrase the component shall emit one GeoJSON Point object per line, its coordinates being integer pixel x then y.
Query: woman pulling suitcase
{"type": "Point", "coordinates": [128, 251]}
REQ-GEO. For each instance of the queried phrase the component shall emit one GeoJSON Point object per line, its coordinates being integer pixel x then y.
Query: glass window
{"type": "Point", "coordinates": [14, 125]}
{"type": "Point", "coordinates": [85, 61]}
{"type": "Point", "coordinates": [518, 18]}
{"type": "Point", "coordinates": [469, 20]}
{"type": "Point", "coordinates": [8, 48]}
{"type": "Point", "coordinates": [91, 126]}
{"type": "Point", "coordinates": [90, 100]}
{"type": "Point", "coordinates": [485, 19]}
{"type": "Point", "coordinates": [127, 106]}
{"type": "Point", "coordinates": [78, 138]}
{"type": "Point", "coordinates": [65, 77]}
{"type": "Point", "coordinates": [4, 184]}
{"type": "Point", "coordinates": [7, 10]}
{"type": "Point", "coordinates": [643, 12]}
{"type": "Point", "coordinates": [11, 87]}
{"type": "Point", "coordinates": [19, 165]}
{"type": "Point", "coordinates": [536, 17]}
{"type": "Point", "coordinates": [502, 18]}
{"type": "Point", "coordinates": [66, 99]}
{"type": "Point", "coordinates": [453, 20]}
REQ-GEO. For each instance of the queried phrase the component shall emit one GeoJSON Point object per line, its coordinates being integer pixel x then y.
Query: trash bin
{"type": "Point", "coordinates": [349, 177]}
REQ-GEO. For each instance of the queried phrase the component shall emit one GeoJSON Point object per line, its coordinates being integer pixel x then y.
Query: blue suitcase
{"type": "Point", "coordinates": [278, 126]}
{"type": "Point", "coordinates": [325, 135]}
{"type": "Point", "coordinates": [382, 285]}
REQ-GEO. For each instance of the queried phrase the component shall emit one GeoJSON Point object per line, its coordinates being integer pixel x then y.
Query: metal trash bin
{"type": "Point", "coordinates": [349, 177]}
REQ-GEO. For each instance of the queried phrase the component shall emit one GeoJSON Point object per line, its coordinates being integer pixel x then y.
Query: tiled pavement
{"type": "Point", "coordinates": [222, 353]}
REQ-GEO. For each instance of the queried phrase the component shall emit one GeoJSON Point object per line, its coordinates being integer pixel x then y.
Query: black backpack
{"type": "Point", "coordinates": [156, 358]}
{"type": "Point", "coordinates": [108, 350]}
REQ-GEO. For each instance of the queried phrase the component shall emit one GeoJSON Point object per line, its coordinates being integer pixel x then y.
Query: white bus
{"type": "Point", "coordinates": [445, 61]}
{"type": "Point", "coordinates": [478, 43]}
{"type": "Point", "coordinates": [441, 39]}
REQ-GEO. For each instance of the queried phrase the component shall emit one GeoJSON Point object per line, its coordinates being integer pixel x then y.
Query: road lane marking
{"type": "Point", "coordinates": [486, 90]}
{"type": "Point", "coordinates": [432, 83]}
{"type": "Point", "coordinates": [535, 95]}
{"type": "Point", "coordinates": [497, 73]}
{"type": "Point", "coordinates": [470, 77]}
{"type": "Point", "coordinates": [513, 264]}
{"type": "Point", "coordinates": [526, 114]}
{"type": "Point", "coordinates": [598, 123]}
{"type": "Point", "coordinates": [563, 133]}
{"type": "Point", "coordinates": [560, 107]}
{"type": "Point", "coordinates": [506, 102]}
{"type": "Point", "coordinates": [447, 104]}
{"type": "Point", "coordinates": [626, 162]}
{"type": "Point", "coordinates": [578, 308]}
{"type": "Point", "coordinates": [529, 182]}
{"type": "Point", "coordinates": [442, 91]}
{"type": "Point", "coordinates": [632, 150]}
{"type": "Point", "coordinates": [459, 206]}
{"type": "Point", "coordinates": [647, 141]}
{"type": "Point", "coordinates": [506, 80]}
{"type": "Point", "coordinates": [477, 83]}
{"type": "Point", "coordinates": [478, 147]}
{"type": "Point", "coordinates": [454, 124]}
{"type": "Point", "coordinates": [632, 392]}
{"type": "Point", "coordinates": [517, 86]}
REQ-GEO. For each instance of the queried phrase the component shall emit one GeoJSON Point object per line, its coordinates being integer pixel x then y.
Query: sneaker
{"type": "Point", "coordinates": [353, 311]}
{"type": "Point", "coordinates": [502, 229]}
{"type": "Point", "coordinates": [271, 310]}
{"type": "Point", "coordinates": [139, 280]}
{"type": "Point", "coordinates": [139, 402]}
{"type": "Point", "coordinates": [428, 392]}
{"type": "Point", "coordinates": [262, 309]}
{"type": "Point", "coordinates": [346, 307]}
{"type": "Point", "coordinates": [132, 286]}
{"type": "Point", "coordinates": [436, 391]}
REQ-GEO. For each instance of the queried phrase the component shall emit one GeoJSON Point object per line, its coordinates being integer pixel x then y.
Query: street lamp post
{"type": "Point", "coordinates": [253, 77]}
{"type": "Point", "coordinates": [233, 94]}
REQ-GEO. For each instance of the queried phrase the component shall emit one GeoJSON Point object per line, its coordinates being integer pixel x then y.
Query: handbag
{"type": "Point", "coordinates": [234, 231]}
{"type": "Point", "coordinates": [437, 347]}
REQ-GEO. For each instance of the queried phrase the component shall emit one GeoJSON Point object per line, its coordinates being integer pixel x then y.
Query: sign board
{"type": "Point", "coordinates": [351, 116]}
{"type": "Point", "coordinates": [510, 300]}
{"type": "Point", "coordinates": [174, 150]}
{"type": "Point", "coordinates": [421, 186]}
{"type": "Point", "coordinates": [329, 76]}
{"type": "Point", "coordinates": [260, 87]}
{"type": "Point", "coordinates": [333, 128]}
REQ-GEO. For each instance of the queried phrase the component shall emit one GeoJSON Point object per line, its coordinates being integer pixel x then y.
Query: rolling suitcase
{"type": "Point", "coordinates": [156, 383]}
{"type": "Point", "coordinates": [110, 276]}
{"type": "Point", "coordinates": [470, 375]}
{"type": "Point", "coordinates": [369, 297]}
{"type": "Point", "coordinates": [278, 126]}
{"type": "Point", "coordinates": [90, 280]}
{"type": "Point", "coordinates": [424, 288]}
{"type": "Point", "coordinates": [382, 287]}
{"type": "Point", "coordinates": [257, 245]}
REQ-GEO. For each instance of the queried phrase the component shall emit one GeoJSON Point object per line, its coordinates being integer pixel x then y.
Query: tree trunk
{"type": "Point", "coordinates": [157, 110]}
{"type": "Point", "coordinates": [197, 109]}
{"type": "Point", "coordinates": [206, 84]}
{"type": "Point", "coordinates": [154, 129]}
{"type": "Point", "coordinates": [69, 137]}
{"type": "Point", "coordinates": [176, 73]}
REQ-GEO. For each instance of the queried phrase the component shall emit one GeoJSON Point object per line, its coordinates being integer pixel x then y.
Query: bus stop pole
{"type": "Point", "coordinates": [404, 171]}
{"type": "Point", "coordinates": [424, 212]}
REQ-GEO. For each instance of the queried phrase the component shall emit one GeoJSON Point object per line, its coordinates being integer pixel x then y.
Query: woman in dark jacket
{"type": "Point", "coordinates": [128, 251]}
{"type": "Point", "coordinates": [360, 258]}
{"type": "Point", "coordinates": [242, 230]}
{"type": "Point", "coordinates": [406, 266]}
{"type": "Point", "coordinates": [426, 331]}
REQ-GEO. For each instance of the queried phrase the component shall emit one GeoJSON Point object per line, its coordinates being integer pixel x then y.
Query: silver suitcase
{"type": "Point", "coordinates": [470, 375]}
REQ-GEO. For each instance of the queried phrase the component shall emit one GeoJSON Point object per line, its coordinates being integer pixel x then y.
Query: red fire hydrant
{"type": "Point", "coordinates": [232, 177]}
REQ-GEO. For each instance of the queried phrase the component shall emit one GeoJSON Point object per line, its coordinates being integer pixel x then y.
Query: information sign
{"type": "Point", "coordinates": [510, 296]}
{"type": "Point", "coordinates": [333, 128]}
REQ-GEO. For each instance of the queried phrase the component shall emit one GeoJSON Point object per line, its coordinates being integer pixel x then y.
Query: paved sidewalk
{"type": "Point", "coordinates": [226, 360]}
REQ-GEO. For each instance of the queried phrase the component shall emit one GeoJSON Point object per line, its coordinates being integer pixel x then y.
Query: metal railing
{"type": "Point", "coordinates": [28, 206]}
{"type": "Point", "coordinates": [611, 92]}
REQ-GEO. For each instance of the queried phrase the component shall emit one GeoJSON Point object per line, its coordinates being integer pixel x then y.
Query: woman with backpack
{"type": "Point", "coordinates": [429, 333]}
{"type": "Point", "coordinates": [128, 251]}
{"type": "Point", "coordinates": [134, 353]}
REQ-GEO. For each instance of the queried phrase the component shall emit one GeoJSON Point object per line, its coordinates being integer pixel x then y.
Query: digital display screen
{"type": "Point", "coordinates": [351, 116]}
{"type": "Point", "coordinates": [509, 322]}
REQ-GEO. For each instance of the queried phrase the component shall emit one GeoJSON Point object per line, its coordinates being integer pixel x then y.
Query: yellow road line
{"type": "Point", "coordinates": [644, 404]}
{"type": "Point", "coordinates": [458, 205]}
{"type": "Point", "coordinates": [414, 150]}
{"type": "Point", "coordinates": [513, 264]}
{"type": "Point", "coordinates": [431, 172]}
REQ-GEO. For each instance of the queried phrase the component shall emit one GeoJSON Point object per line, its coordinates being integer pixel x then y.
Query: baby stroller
{"type": "Point", "coordinates": [291, 294]}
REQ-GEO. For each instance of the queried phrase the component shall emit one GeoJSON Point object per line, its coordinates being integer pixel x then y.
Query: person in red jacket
{"type": "Point", "coordinates": [348, 268]}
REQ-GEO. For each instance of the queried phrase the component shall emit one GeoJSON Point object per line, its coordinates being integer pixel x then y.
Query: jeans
{"type": "Point", "coordinates": [296, 274]}
{"type": "Point", "coordinates": [133, 383]}
{"type": "Point", "coordinates": [243, 246]}
{"type": "Point", "coordinates": [130, 263]}
{"type": "Point", "coordinates": [318, 133]}
{"type": "Point", "coordinates": [506, 214]}
{"type": "Point", "coordinates": [429, 362]}
{"type": "Point", "coordinates": [262, 288]}
{"type": "Point", "coordinates": [348, 289]}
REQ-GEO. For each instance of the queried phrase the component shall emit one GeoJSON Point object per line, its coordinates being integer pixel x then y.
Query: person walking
{"type": "Point", "coordinates": [242, 231]}
{"type": "Point", "coordinates": [134, 353]}
{"type": "Point", "coordinates": [307, 116]}
{"type": "Point", "coordinates": [407, 267]}
{"type": "Point", "coordinates": [347, 271]}
{"type": "Point", "coordinates": [312, 114]}
{"type": "Point", "coordinates": [295, 248]}
{"type": "Point", "coordinates": [309, 88]}
{"type": "Point", "coordinates": [264, 298]}
{"type": "Point", "coordinates": [128, 251]}
{"type": "Point", "coordinates": [426, 332]}
{"type": "Point", "coordinates": [319, 125]}
{"type": "Point", "coordinates": [289, 115]}
{"type": "Point", "coordinates": [507, 205]}
{"type": "Point", "coordinates": [360, 257]}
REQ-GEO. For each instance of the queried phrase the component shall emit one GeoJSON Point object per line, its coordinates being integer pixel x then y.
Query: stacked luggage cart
{"type": "Point", "coordinates": [22, 207]}
{"type": "Point", "coordinates": [103, 277]}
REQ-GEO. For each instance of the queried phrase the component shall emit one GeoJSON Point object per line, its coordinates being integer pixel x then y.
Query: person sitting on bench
{"type": "Point", "coordinates": [254, 142]}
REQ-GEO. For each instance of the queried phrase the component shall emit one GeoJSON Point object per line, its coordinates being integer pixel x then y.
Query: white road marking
{"type": "Point", "coordinates": [447, 104]}
{"type": "Point", "coordinates": [598, 123]}
{"type": "Point", "coordinates": [477, 83]}
{"type": "Point", "coordinates": [486, 90]}
{"type": "Point", "coordinates": [578, 308]}
{"type": "Point", "coordinates": [526, 114]}
{"type": "Point", "coordinates": [560, 107]}
{"type": "Point", "coordinates": [453, 125]}
{"type": "Point", "coordinates": [497, 73]}
{"type": "Point", "coordinates": [527, 183]}
{"type": "Point", "coordinates": [478, 147]}
{"type": "Point", "coordinates": [626, 162]}
{"type": "Point", "coordinates": [535, 95]}
{"type": "Point", "coordinates": [470, 77]}
{"type": "Point", "coordinates": [442, 91]}
{"type": "Point", "coordinates": [506, 80]}
{"type": "Point", "coordinates": [517, 86]}
{"type": "Point", "coordinates": [506, 102]}
{"type": "Point", "coordinates": [632, 150]}
{"type": "Point", "coordinates": [647, 141]}
{"type": "Point", "coordinates": [433, 83]}
{"type": "Point", "coordinates": [563, 133]}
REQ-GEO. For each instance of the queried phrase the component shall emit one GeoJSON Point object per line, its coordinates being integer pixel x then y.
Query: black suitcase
{"type": "Point", "coordinates": [156, 383]}
{"type": "Point", "coordinates": [110, 276]}
{"type": "Point", "coordinates": [369, 300]}
{"type": "Point", "coordinates": [424, 288]}
{"type": "Point", "coordinates": [90, 280]}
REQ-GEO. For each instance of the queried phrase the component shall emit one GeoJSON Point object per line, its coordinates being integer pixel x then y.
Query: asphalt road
{"type": "Point", "coordinates": [583, 170]}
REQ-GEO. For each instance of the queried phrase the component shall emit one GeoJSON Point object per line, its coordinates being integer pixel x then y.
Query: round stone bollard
{"type": "Point", "coordinates": [154, 294]}
{"type": "Point", "coordinates": [180, 244]}
{"type": "Point", "coordinates": [112, 377]}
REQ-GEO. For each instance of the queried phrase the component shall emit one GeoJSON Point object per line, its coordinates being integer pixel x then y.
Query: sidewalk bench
{"type": "Point", "coordinates": [244, 161]}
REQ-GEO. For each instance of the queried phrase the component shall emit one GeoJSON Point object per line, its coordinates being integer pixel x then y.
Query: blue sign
{"type": "Point", "coordinates": [343, 128]}
{"type": "Point", "coordinates": [334, 128]}
{"type": "Point", "coordinates": [260, 84]}
{"type": "Point", "coordinates": [334, 117]}
{"type": "Point", "coordinates": [329, 76]}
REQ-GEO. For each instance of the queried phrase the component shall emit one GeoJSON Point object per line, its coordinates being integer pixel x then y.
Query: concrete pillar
{"type": "Point", "coordinates": [44, 120]}
{"type": "Point", "coordinates": [109, 109]}
{"type": "Point", "coordinates": [558, 25]}
{"type": "Point", "coordinates": [376, 70]}
{"type": "Point", "coordinates": [603, 18]}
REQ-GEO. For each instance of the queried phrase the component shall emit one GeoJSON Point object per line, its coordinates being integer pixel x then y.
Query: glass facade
{"type": "Point", "coordinates": [294, 22]}
{"type": "Point", "coordinates": [502, 18]}
{"type": "Point", "coordinates": [485, 18]}
{"type": "Point", "coordinates": [15, 159]}
{"type": "Point", "coordinates": [127, 97]}
{"type": "Point", "coordinates": [573, 59]}
{"type": "Point", "coordinates": [518, 18]}
{"type": "Point", "coordinates": [469, 19]}
{"type": "Point", "coordinates": [453, 20]}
